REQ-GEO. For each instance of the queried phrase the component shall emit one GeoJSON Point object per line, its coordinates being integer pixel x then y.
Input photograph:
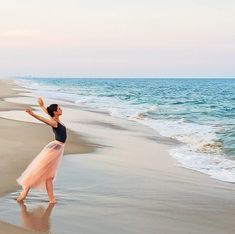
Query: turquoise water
{"type": "Point", "coordinates": [197, 112]}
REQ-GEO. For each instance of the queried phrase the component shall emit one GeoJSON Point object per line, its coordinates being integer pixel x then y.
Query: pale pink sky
{"type": "Point", "coordinates": [125, 38]}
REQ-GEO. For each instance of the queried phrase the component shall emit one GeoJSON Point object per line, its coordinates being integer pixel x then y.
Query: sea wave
{"type": "Point", "coordinates": [215, 165]}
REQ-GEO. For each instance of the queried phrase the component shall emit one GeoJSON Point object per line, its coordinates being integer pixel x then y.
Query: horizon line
{"type": "Point", "coordinates": [74, 77]}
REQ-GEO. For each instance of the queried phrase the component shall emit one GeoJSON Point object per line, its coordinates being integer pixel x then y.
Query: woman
{"type": "Point", "coordinates": [41, 172]}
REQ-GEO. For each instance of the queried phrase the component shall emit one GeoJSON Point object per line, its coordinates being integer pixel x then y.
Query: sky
{"type": "Point", "coordinates": [124, 38]}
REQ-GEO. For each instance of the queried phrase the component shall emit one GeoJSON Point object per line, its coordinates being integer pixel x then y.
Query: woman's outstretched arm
{"type": "Point", "coordinates": [50, 122]}
{"type": "Point", "coordinates": [41, 104]}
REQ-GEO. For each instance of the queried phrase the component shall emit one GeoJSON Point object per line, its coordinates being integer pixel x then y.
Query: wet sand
{"type": "Point", "coordinates": [129, 184]}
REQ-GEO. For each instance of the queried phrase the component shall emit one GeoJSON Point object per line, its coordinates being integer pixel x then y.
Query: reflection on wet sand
{"type": "Point", "coordinates": [37, 219]}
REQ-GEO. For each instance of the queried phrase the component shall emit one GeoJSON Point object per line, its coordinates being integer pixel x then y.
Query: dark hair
{"type": "Point", "coordinates": [51, 109]}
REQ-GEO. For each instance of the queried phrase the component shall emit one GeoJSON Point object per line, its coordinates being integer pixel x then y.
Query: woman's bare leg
{"type": "Point", "coordinates": [49, 186]}
{"type": "Point", "coordinates": [23, 194]}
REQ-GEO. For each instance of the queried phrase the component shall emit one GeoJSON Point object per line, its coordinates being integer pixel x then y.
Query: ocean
{"type": "Point", "coordinates": [198, 113]}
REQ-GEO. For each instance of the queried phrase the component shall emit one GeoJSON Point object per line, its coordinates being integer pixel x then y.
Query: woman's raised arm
{"type": "Point", "coordinates": [41, 104]}
{"type": "Point", "coordinates": [50, 122]}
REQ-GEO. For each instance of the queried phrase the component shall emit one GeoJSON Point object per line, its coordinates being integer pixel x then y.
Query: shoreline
{"type": "Point", "coordinates": [178, 200]}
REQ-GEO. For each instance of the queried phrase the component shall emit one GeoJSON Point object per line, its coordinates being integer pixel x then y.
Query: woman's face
{"type": "Point", "coordinates": [59, 111]}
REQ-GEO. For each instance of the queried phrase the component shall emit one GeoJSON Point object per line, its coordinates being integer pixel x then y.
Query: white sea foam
{"type": "Point", "coordinates": [201, 150]}
{"type": "Point", "coordinates": [194, 135]}
{"type": "Point", "coordinates": [215, 165]}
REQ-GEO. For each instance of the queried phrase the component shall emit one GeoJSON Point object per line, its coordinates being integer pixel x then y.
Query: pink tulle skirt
{"type": "Point", "coordinates": [43, 166]}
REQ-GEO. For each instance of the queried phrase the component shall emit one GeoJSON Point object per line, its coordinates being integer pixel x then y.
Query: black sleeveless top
{"type": "Point", "coordinates": [60, 132]}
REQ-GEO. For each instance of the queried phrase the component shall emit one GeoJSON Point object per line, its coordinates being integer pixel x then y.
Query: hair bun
{"type": "Point", "coordinates": [51, 109]}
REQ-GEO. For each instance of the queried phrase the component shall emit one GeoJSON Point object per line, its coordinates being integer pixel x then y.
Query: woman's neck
{"type": "Point", "coordinates": [56, 118]}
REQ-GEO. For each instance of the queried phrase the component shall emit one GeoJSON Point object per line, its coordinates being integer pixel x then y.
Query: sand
{"type": "Point", "coordinates": [163, 197]}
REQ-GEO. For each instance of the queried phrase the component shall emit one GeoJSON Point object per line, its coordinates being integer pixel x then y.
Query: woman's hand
{"type": "Point", "coordinates": [40, 101]}
{"type": "Point", "coordinates": [29, 111]}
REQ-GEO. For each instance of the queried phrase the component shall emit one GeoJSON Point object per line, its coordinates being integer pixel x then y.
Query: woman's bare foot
{"type": "Point", "coordinates": [52, 201]}
{"type": "Point", "coordinates": [23, 195]}
{"type": "Point", "coordinates": [20, 198]}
